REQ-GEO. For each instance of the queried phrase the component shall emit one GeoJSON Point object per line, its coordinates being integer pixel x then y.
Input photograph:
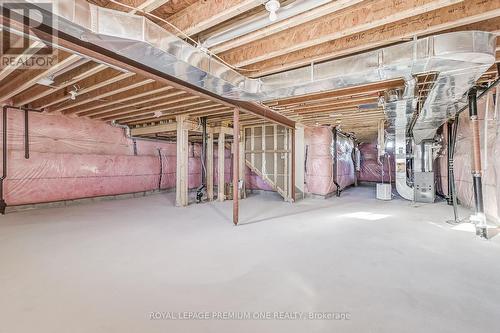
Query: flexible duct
{"type": "Point", "coordinates": [460, 58]}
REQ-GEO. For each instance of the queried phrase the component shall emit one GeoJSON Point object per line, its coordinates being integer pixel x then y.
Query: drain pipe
{"type": "Point", "coordinates": [3, 204]}
{"type": "Point", "coordinates": [5, 154]}
{"type": "Point", "coordinates": [201, 189]}
{"type": "Point", "coordinates": [479, 219]}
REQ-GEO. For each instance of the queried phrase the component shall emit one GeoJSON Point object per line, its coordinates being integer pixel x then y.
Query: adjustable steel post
{"type": "Point", "coordinates": [449, 138]}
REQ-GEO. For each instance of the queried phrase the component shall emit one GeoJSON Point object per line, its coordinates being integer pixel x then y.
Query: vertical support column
{"type": "Point", "coordinates": [181, 189]}
{"type": "Point", "coordinates": [242, 163]}
{"type": "Point", "coordinates": [210, 166]}
{"type": "Point", "coordinates": [275, 147]}
{"type": "Point", "coordinates": [236, 164]}
{"type": "Point", "coordinates": [263, 147]}
{"type": "Point", "coordinates": [449, 139]}
{"type": "Point", "coordinates": [5, 154]}
{"type": "Point", "coordinates": [220, 164]}
{"type": "Point", "coordinates": [286, 171]}
{"type": "Point", "coordinates": [292, 162]}
{"type": "Point", "coordinates": [26, 135]}
{"type": "Point", "coordinates": [252, 146]}
{"type": "Point", "coordinates": [479, 218]}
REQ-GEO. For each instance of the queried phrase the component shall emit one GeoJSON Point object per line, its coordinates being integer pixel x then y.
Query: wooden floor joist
{"type": "Point", "coordinates": [105, 86]}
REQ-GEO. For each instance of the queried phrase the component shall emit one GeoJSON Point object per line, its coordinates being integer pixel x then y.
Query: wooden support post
{"type": "Point", "coordinates": [275, 139]}
{"type": "Point", "coordinates": [210, 167]}
{"type": "Point", "coordinates": [181, 189]}
{"type": "Point", "coordinates": [220, 165]}
{"type": "Point", "coordinates": [242, 163]}
{"type": "Point", "coordinates": [236, 164]}
{"type": "Point", "coordinates": [286, 173]}
{"type": "Point", "coordinates": [292, 162]}
{"type": "Point", "coordinates": [263, 147]}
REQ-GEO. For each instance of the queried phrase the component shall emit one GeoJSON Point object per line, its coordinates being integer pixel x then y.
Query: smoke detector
{"type": "Point", "coordinates": [272, 7]}
{"type": "Point", "coordinates": [158, 114]}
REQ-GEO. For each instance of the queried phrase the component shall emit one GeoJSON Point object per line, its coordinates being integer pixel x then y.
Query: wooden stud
{"type": "Point", "coordinates": [210, 167]}
{"type": "Point", "coordinates": [181, 189]}
{"type": "Point", "coordinates": [221, 163]}
{"type": "Point", "coordinates": [242, 166]}
{"type": "Point", "coordinates": [236, 165]}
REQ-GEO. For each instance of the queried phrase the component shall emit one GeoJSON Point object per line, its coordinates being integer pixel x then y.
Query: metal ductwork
{"type": "Point", "coordinates": [400, 113]}
{"type": "Point", "coordinates": [460, 58]}
{"type": "Point", "coordinates": [255, 23]}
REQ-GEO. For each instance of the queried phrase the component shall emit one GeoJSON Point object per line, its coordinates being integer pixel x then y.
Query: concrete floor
{"type": "Point", "coordinates": [104, 267]}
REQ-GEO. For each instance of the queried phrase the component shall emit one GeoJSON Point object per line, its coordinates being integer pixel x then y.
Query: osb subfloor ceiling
{"type": "Point", "coordinates": [336, 29]}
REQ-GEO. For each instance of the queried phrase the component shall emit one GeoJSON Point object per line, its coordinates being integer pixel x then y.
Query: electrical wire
{"type": "Point", "coordinates": [186, 36]}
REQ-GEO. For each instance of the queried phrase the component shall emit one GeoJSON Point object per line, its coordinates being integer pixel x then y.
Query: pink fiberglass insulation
{"type": "Point", "coordinates": [463, 159]}
{"type": "Point", "coordinates": [371, 169]}
{"type": "Point", "coordinates": [345, 164]}
{"type": "Point", "coordinates": [319, 164]}
{"type": "Point", "coordinates": [74, 158]}
{"type": "Point", "coordinates": [255, 182]}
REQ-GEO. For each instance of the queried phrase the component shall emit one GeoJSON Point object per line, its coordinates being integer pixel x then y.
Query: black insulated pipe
{"type": "Point", "coordinates": [5, 108]}
{"type": "Point", "coordinates": [200, 191]}
{"type": "Point", "coordinates": [160, 155]}
{"type": "Point", "coordinates": [481, 229]}
{"type": "Point", "coordinates": [3, 205]}
{"type": "Point", "coordinates": [26, 135]}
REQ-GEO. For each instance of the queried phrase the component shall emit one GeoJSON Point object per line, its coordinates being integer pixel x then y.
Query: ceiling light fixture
{"type": "Point", "coordinates": [272, 7]}
{"type": "Point", "coordinates": [73, 93]}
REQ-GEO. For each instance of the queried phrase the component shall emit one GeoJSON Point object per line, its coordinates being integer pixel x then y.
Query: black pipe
{"type": "Point", "coordinates": [476, 174]}
{"type": "Point", "coordinates": [134, 145]}
{"type": "Point", "coordinates": [491, 86]}
{"type": "Point", "coordinates": [200, 191]}
{"type": "Point", "coordinates": [26, 135]}
{"type": "Point", "coordinates": [3, 205]}
{"type": "Point", "coordinates": [480, 220]}
{"type": "Point", "coordinates": [161, 169]}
